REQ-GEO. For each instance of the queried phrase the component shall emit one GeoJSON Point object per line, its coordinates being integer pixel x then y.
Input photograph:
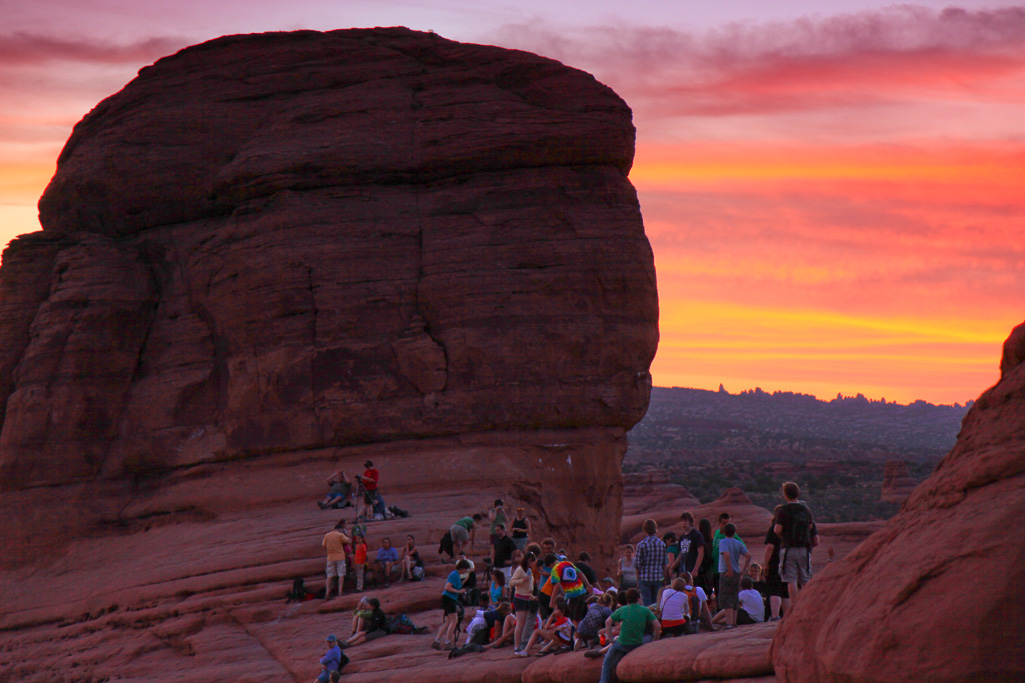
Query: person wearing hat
{"type": "Point", "coordinates": [333, 661]}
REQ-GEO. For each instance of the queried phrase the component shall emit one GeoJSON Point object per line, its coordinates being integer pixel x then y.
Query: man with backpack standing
{"type": "Point", "coordinates": [797, 533]}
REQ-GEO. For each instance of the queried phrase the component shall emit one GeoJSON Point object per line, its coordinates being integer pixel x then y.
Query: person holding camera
{"type": "Point", "coordinates": [368, 482]}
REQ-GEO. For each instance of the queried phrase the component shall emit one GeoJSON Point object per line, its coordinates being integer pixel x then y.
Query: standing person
{"type": "Point", "coordinates": [522, 584]}
{"type": "Point", "coordinates": [496, 516]}
{"type": "Point", "coordinates": [520, 530]}
{"type": "Point", "coordinates": [635, 619]}
{"type": "Point", "coordinates": [797, 533]}
{"type": "Point", "coordinates": [386, 559]}
{"type": "Point", "coordinates": [583, 564]}
{"type": "Point", "coordinates": [369, 480]}
{"type": "Point", "coordinates": [359, 559]}
{"type": "Point", "coordinates": [710, 562]}
{"type": "Point", "coordinates": [724, 519]}
{"type": "Point", "coordinates": [730, 571]}
{"type": "Point", "coordinates": [627, 569]}
{"type": "Point", "coordinates": [333, 661]}
{"type": "Point", "coordinates": [651, 563]}
{"type": "Point", "coordinates": [692, 546]}
{"type": "Point", "coordinates": [502, 549]}
{"type": "Point", "coordinates": [445, 640]}
{"type": "Point", "coordinates": [334, 542]}
{"type": "Point", "coordinates": [574, 586]}
{"type": "Point", "coordinates": [774, 586]}
{"type": "Point", "coordinates": [464, 529]}
{"type": "Point", "coordinates": [672, 556]}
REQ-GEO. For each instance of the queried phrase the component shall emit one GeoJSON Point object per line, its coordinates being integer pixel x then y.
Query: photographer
{"type": "Point", "coordinates": [371, 498]}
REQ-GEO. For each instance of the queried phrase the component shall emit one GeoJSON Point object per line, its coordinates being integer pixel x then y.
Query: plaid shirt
{"type": "Point", "coordinates": [650, 559]}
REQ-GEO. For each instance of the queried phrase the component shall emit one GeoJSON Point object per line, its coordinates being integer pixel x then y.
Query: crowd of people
{"type": "Point", "coordinates": [536, 598]}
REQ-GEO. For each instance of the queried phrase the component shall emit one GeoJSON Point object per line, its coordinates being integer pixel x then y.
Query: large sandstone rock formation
{"type": "Point", "coordinates": [287, 243]}
{"type": "Point", "coordinates": [936, 594]}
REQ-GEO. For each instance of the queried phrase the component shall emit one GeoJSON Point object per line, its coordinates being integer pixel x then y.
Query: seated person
{"type": "Point", "coordinates": [674, 607]}
{"type": "Point", "coordinates": [371, 623]}
{"type": "Point", "coordinates": [338, 493]}
{"type": "Point", "coordinates": [387, 560]}
{"type": "Point", "coordinates": [556, 632]}
{"type": "Point", "coordinates": [752, 604]}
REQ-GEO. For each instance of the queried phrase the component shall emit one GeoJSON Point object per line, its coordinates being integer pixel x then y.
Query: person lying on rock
{"type": "Point", "coordinates": [387, 560]}
{"type": "Point", "coordinates": [332, 662]}
{"type": "Point", "coordinates": [555, 633]}
{"type": "Point", "coordinates": [339, 487]}
{"type": "Point", "coordinates": [635, 620]}
{"type": "Point", "coordinates": [464, 530]}
{"type": "Point", "coordinates": [371, 623]}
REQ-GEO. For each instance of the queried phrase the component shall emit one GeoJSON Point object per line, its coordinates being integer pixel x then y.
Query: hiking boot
{"type": "Point", "coordinates": [773, 618]}
{"type": "Point", "coordinates": [435, 645]}
{"type": "Point", "coordinates": [321, 505]}
{"type": "Point", "coordinates": [448, 646]}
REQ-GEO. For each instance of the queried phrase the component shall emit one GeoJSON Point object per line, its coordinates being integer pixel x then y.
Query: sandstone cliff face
{"type": "Point", "coordinates": [936, 594]}
{"type": "Point", "coordinates": [289, 242]}
{"type": "Point", "coordinates": [897, 482]}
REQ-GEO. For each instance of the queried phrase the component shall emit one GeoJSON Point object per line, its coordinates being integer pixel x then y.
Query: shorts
{"type": "Point", "coordinates": [743, 618]}
{"type": "Point", "coordinates": [449, 605]}
{"type": "Point", "coordinates": [459, 533]}
{"type": "Point", "coordinates": [729, 591]}
{"type": "Point", "coordinates": [576, 608]}
{"type": "Point", "coordinates": [795, 565]}
{"type": "Point", "coordinates": [374, 635]}
{"type": "Point", "coordinates": [674, 627]}
{"type": "Point", "coordinates": [563, 638]}
{"type": "Point", "coordinates": [521, 604]}
{"type": "Point", "coordinates": [521, 542]}
{"type": "Point", "coordinates": [335, 568]}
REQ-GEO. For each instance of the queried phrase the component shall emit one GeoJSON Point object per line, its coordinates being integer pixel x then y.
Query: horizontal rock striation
{"type": "Point", "coordinates": [935, 595]}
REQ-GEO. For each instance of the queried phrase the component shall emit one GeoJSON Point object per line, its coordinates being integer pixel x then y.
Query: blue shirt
{"type": "Point", "coordinates": [333, 659]}
{"type": "Point", "coordinates": [456, 582]}
{"type": "Point", "coordinates": [733, 549]}
{"type": "Point", "coordinates": [387, 554]}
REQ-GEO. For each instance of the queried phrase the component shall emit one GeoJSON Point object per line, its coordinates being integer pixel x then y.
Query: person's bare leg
{"type": "Point", "coordinates": [720, 617]}
{"type": "Point", "coordinates": [792, 589]}
{"type": "Point", "coordinates": [521, 623]}
{"type": "Point", "coordinates": [731, 617]}
{"type": "Point", "coordinates": [774, 603]}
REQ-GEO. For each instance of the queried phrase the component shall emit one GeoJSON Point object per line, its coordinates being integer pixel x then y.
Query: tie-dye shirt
{"type": "Point", "coordinates": [569, 576]}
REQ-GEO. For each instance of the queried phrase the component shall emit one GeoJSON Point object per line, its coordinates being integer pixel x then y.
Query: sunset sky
{"type": "Point", "coordinates": [835, 198]}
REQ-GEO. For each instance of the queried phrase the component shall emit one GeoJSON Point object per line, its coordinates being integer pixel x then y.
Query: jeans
{"type": "Point", "coordinates": [649, 591]}
{"type": "Point", "coordinates": [612, 657]}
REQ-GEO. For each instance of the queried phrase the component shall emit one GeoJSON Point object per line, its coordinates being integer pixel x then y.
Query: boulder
{"type": "Point", "coordinates": [936, 593]}
{"type": "Point", "coordinates": [293, 242]}
{"type": "Point", "coordinates": [738, 653]}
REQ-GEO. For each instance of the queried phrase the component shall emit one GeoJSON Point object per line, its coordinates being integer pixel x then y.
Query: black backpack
{"type": "Point", "coordinates": [798, 532]}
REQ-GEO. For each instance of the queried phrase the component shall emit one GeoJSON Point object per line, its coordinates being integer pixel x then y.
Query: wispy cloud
{"type": "Point", "coordinates": [21, 48]}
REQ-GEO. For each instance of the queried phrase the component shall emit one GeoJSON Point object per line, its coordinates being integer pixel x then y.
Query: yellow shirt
{"type": "Point", "coordinates": [335, 542]}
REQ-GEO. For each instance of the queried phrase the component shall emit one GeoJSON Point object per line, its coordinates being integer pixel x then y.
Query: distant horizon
{"type": "Point", "coordinates": [955, 404]}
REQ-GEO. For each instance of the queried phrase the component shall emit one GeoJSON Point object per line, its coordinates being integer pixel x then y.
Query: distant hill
{"type": "Point", "coordinates": [689, 424]}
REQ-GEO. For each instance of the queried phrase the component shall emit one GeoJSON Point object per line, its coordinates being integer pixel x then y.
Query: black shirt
{"type": "Point", "coordinates": [504, 548]}
{"type": "Point", "coordinates": [519, 528]}
{"type": "Point", "coordinates": [586, 570]}
{"type": "Point", "coordinates": [689, 545]}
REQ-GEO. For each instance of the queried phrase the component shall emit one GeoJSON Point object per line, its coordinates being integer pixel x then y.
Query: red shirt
{"type": "Point", "coordinates": [370, 479]}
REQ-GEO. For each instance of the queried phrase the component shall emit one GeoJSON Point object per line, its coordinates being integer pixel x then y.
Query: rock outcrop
{"type": "Point", "coordinates": [936, 594]}
{"type": "Point", "coordinates": [897, 482]}
{"type": "Point", "coordinates": [288, 243]}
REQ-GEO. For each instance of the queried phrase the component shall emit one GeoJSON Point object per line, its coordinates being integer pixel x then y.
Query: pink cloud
{"type": "Point", "coordinates": [21, 48]}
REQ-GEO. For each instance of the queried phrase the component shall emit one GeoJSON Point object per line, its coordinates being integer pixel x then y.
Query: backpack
{"type": "Point", "coordinates": [418, 574]}
{"type": "Point", "coordinates": [798, 532]}
{"type": "Point", "coordinates": [694, 602]}
{"type": "Point", "coordinates": [400, 623]}
{"type": "Point", "coordinates": [298, 592]}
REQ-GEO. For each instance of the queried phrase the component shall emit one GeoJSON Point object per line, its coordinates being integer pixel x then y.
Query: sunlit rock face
{"type": "Point", "coordinates": [937, 593]}
{"type": "Point", "coordinates": [288, 243]}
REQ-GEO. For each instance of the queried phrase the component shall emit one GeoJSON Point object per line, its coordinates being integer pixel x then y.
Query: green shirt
{"type": "Point", "coordinates": [499, 519]}
{"type": "Point", "coordinates": [465, 522]}
{"type": "Point", "coordinates": [635, 618]}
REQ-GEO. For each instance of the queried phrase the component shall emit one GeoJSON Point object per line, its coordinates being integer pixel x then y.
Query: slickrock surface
{"type": "Point", "coordinates": [936, 594]}
{"type": "Point", "coordinates": [739, 653]}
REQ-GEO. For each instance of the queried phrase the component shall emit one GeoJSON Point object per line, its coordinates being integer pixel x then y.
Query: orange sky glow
{"type": "Point", "coordinates": [835, 203]}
